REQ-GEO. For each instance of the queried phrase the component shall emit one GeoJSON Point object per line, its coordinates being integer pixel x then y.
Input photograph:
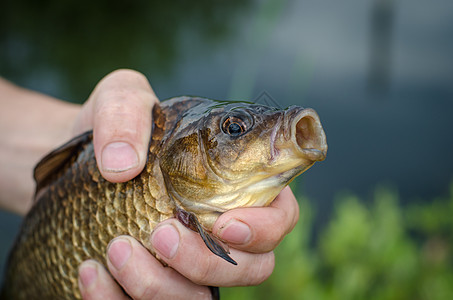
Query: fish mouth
{"type": "Point", "coordinates": [308, 135]}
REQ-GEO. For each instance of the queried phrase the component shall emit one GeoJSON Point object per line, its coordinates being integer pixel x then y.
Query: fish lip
{"type": "Point", "coordinates": [308, 136]}
{"type": "Point", "coordinates": [274, 150]}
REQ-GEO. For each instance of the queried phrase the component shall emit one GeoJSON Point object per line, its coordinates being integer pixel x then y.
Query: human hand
{"type": "Point", "coordinates": [191, 266]}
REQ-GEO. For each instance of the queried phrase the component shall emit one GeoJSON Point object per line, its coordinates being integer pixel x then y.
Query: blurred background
{"type": "Point", "coordinates": [377, 215]}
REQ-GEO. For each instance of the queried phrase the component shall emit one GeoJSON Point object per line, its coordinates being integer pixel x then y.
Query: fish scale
{"type": "Point", "coordinates": [79, 236]}
{"type": "Point", "coordinates": [77, 212]}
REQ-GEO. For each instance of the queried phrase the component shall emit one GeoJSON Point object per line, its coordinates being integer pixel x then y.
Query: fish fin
{"type": "Point", "coordinates": [216, 246]}
{"type": "Point", "coordinates": [55, 160]}
{"type": "Point", "coordinates": [215, 293]}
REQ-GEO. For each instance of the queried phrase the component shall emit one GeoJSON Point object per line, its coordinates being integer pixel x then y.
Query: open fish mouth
{"type": "Point", "coordinates": [308, 135]}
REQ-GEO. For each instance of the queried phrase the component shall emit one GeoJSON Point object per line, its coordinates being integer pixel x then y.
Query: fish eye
{"type": "Point", "coordinates": [234, 126]}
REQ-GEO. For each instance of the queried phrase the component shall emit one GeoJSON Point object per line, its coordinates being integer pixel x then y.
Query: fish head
{"type": "Point", "coordinates": [224, 155]}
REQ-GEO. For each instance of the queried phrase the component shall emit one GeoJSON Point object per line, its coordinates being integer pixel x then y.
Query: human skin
{"type": "Point", "coordinates": [32, 124]}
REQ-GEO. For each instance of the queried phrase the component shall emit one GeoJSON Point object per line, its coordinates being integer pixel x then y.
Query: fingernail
{"type": "Point", "coordinates": [119, 252]}
{"type": "Point", "coordinates": [118, 157]}
{"type": "Point", "coordinates": [88, 273]}
{"type": "Point", "coordinates": [165, 240]}
{"type": "Point", "coordinates": [235, 232]}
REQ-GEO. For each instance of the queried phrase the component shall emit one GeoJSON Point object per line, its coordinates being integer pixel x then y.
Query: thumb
{"type": "Point", "coordinates": [119, 110]}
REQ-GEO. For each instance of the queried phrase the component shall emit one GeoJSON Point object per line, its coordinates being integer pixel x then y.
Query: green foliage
{"type": "Point", "coordinates": [380, 251]}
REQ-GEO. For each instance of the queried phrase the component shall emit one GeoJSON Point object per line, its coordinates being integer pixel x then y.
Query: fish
{"type": "Point", "coordinates": [205, 157]}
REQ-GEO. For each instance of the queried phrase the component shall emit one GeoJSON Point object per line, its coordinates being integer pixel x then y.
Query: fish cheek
{"type": "Point", "coordinates": [236, 158]}
{"type": "Point", "coordinates": [183, 168]}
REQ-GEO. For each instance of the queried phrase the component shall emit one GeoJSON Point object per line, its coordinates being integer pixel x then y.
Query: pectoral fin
{"type": "Point", "coordinates": [46, 170]}
{"type": "Point", "coordinates": [215, 245]}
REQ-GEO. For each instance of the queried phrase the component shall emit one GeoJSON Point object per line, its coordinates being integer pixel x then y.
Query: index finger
{"type": "Point", "coordinates": [259, 229]}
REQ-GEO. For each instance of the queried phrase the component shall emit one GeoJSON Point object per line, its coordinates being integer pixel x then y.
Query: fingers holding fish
{"type": "Point", "coordinates": [259, 229]}
{"type": "Point", "coordinates": [142, 276]}
{"type": "Point", "coordinates": [119, 112]}
{"type": "Point", "coordinates": [184, 251]}
{"type": "Point", "coordinates": [96, 283]}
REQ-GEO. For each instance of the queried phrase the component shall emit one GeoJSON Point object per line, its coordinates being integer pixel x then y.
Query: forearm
{"type": "Point", "coordinates": [31, 124]}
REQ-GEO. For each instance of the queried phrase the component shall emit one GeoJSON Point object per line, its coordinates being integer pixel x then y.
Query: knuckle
{"type": "Point", "coordinates": [109, 105]}
{"type": "Point", "coordinates": [143, 287]}
{"type": "Point", "coordinates": [149, 290]}
{"type": "Point", "coordinates": [116, 99]}
{"type": "Point", "coordinates": [268, 239]}
{"type": "Point", "coordinates": [118, 107]}
{"type": "Point", "coordinates": [262, 270]}
{"type": "Point", "coordinates": [202, 273]}
{"type": "Point", "coordinates": [286, 221]}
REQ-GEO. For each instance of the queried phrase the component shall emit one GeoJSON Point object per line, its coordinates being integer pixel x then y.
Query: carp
{"type": "Point", "coordinates": [205, 157]}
